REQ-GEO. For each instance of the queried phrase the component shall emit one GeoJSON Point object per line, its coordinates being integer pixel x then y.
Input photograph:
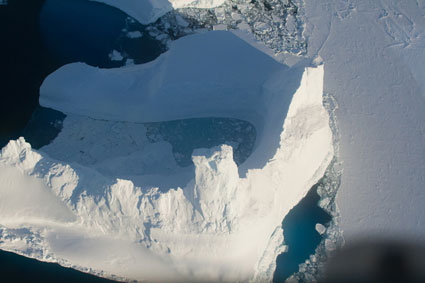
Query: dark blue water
{"type": "Point", "coordinates": [43, 127]}
{"type": "Point", "coordinates": [86, 31]}
{"type": "Point", "coordinates": [15, 268]}
{"type": "Point", "coordinates": [299, 230]}
{"type": "Point", "coordinates": [24, 64]}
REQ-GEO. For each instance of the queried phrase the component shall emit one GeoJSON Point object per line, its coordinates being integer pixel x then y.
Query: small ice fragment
{"type": "Point", "coordinates": [134, 34]}
{"type": "Point", "coordinates": [320, 228]}
{"type": "Point", "coordinates": [115, 56]}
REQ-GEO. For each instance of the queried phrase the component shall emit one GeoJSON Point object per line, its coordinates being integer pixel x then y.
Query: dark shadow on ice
{"type": "Point", "coordinates": [270, 124]}
{"type": "Point", "coordinates": [90, 182]}
{"type": "Point", "coordinates": [149, 154]}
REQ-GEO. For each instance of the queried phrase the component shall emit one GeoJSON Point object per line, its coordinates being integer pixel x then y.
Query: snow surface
{"type": "Point", "coordinates": [148, 11]}
{"type": "Point", "coordinates": [220, 225]}
{"type": "Point", "coordinates": [374, 57]}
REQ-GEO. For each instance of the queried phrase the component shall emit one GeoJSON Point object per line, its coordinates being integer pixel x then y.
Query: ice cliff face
{"type": "Point", "coordinates": [220, 225]}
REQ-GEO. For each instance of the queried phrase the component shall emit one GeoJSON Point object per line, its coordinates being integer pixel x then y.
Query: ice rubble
{"type": "Point", "coordinates": [275, 23]}
{"type": "Point", "coordinates": [221, 225]}
{"type": "Point", "coordinates": [147, 11]}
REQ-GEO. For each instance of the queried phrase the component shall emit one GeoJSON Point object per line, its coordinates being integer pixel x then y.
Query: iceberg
{"type": "Point", "coordinates": [221, 224]}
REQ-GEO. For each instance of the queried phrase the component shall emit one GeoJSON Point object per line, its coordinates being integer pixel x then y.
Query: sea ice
{"type": "Point", "coordinates": [373, 69]}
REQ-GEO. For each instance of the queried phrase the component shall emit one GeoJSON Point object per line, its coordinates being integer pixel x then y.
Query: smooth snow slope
{"type": "Point", "coordinates": [374, 57]}
{"type": "Point", "coordinates": [182, 83]}
{"type": "Point", "coordinates": [219, 226]}
{"type": "Point", "coordinates": [148, 11]}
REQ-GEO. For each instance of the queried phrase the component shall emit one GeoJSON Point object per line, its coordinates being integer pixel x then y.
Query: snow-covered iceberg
{"type": "Point", "coordinates": [225, 222]}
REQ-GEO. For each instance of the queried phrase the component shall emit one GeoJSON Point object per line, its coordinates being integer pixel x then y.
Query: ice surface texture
{"type": "Point", "coordinates": [373, 53]}
{"type": "Point", "coordinates": [221, 225]}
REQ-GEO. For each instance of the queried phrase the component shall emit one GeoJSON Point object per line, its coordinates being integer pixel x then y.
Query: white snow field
{"type": "Point", "coordinates": [148, 11]}
{"type": "Point", "coordinates": [373, 52]}
{"type": "Point", "coordinates": [223, 223]}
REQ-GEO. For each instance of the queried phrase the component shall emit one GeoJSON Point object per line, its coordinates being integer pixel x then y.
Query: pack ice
{"type": "Point", "coordinates": [224, 224]}
{"type": "Point", "coordinates": [148, 11]}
